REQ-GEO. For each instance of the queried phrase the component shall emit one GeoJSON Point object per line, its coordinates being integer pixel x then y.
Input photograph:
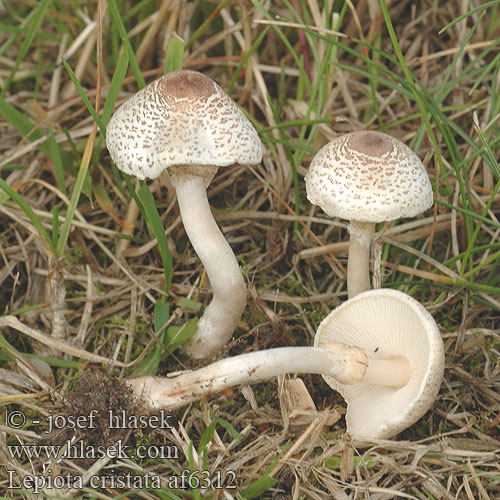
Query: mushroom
{"type": "Point", "coordinates": [367, 177]}
{"type": "Point", "coordinates": [405, 360]}
{"type": "Point", "coordinates": [343, 363]}
{"type": "Point", "coordinates": [186, 123]}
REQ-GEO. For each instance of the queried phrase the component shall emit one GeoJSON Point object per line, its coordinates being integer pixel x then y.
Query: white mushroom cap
{"type": "Point", "coordinates": [368, 177]}
{"type": "Point", "coordinates": [390, 326]}
{"type": "Point", "coordinates": [183, 118]}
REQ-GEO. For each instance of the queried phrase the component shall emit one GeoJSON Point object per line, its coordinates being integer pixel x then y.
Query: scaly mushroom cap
{"type": "Point", "coordinates": [183, 118]}
{"type": "Point", "coordinates": [387, 324]}
{"type": "Point", "coordinates": [368, 177]}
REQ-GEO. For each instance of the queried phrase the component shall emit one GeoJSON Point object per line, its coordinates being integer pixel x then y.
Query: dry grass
{"type": "Point", "coordinates": [293, 257]}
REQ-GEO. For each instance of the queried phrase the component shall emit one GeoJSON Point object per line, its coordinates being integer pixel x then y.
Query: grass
{"type": "Point", "coordinates": [128, 287]}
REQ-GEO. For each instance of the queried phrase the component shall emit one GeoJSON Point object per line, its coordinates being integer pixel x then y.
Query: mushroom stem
{"type": "Point", "coordinates": [223, 313]}
{"type": "Point", "coordinates": [345, 363]}
{"type": "Point", "coordinates": [358, 261]}
{"type": "Point", "coordinates": [391, 372]}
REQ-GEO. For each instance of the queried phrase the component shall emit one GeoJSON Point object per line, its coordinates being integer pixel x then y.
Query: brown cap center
{"type": "Point", "coordinates": [373, 144]}
{"type": "Point", "coordinates": [186, 84]}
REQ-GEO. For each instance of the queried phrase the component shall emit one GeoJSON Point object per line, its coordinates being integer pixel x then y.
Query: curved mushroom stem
{"type": "Point", "coordinates": [345, 363]}
{"type": "Point", "coordinates": [392, 372]}
{"type": "Point", "coordinates": [223, 313]}
{"type": "Point", "coordinates": [358, 261]}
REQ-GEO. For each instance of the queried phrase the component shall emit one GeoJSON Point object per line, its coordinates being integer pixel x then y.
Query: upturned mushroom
{"type": "Point", "coordinates": [367, 177]}
{"type": "Point", "coordinates": [186, 123]}
{"type": "Point", "coordinates": [343, 363]}
{"type": "Point", "coordinates": [405, 360]}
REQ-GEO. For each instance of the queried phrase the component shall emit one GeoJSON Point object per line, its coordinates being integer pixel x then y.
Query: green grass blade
{"type": "Point", "coordinates": [30, 35]}
{"type": "Point", "coordinates": [207, 436]}
{"type": "Point", "coordinates": [75, 196]}
{"type": "Point", "coordinates": [178, 335]}
{"type": "Point", "coordinates": [158, 231]}
{"type": "Point", "coordinates": [284, 39]}
{"type": "Point", "coordinates": [229, 428]}
{"type": "Point", "coordinates": [55, 225]}
{"type": "Point", "coordinates": [21, 123]}
{"type": "Point", "coordinates": [469, 213]}
{"type": "Point", "coordinates": [264, 482]}
{"type": "Point", "coordinates": [208, 21]}
{"type": "Point", "coordinates": [472, 240]}
{"type": "Point", "coordinates": [24, 126]}
{"type": "Point", "coordinates": [149, 365]}
{"type": "Point", "coordinates": [444, 89]}
{"type": "Point", "coordinates": [16, 197]}
{"type": "Point", "coordinates": [488, 70]}
{"type": "Point", "coordinates": [175, 55]}
{"type": "Point", "coordinates": [488, 152]}
{"type": "Point", "coordinates": [56, 159]}
{"type": "Point", "coordinates": [114, 88]}
{"type": "Point", "coordinates": [424, 110]}
{"type": "Point", "coordinates": [410, 80]}
{"type": "Point", "coordinates": [486, 5]}
{"type": "Point", "coordinates": [84, 97]}
{"type": "Point", "coordinates": [15, 31]}
{"type": "Point", "coordinates": [255, 45]}
{"type": "Point", "coordinates": [118, 23]}
{"type": "Point", "coordinates": [291, 160]}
